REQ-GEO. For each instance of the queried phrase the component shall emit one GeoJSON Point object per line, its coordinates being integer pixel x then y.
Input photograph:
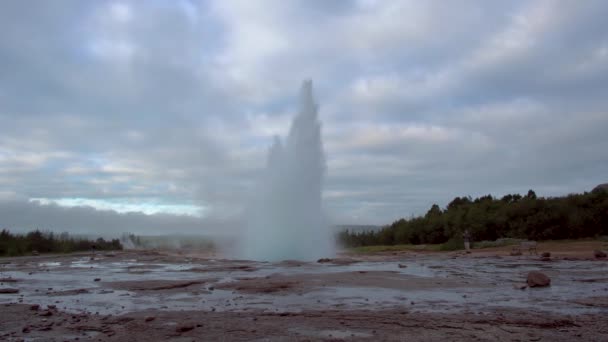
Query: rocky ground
{"type": "Point", "coordinates": [134, 296]}
{"type": "Point", "coordinates": [22, 322]}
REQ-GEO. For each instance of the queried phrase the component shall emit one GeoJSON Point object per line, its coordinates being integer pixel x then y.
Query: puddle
{"type": "Point", "coordinates": [81, 284]}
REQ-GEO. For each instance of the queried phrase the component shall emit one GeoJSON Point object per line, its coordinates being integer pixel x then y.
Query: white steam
{"type": "Point", "coordinates": [286, 220]}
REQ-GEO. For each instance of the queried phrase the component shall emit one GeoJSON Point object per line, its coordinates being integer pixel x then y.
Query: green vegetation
{"type": "Point", "coordinates": [47, 242]}
{"type": "Point", "coordinates": [395, 248]}
{"type": "Point", "coordinates": [495, 222]}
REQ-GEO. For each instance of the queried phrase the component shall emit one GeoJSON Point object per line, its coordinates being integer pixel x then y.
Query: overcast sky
{"type": "Point", "coordinates": [169, 107]}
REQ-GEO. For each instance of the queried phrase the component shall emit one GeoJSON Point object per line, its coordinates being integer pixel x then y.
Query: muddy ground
{"type": "Point", "coordinates": [144, 295]}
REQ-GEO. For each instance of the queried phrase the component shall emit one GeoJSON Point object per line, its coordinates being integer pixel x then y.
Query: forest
{"type": "Point", "coordinates": [488, 218]}
{"type": "Point", "coordinates": [48, 242]}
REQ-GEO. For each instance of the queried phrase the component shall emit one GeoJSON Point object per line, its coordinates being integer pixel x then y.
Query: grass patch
{"type": "Point", "coordinates": [456, 244]}
{"type": "Point", "coordinates": [497, 243]}
{"type": "Point", "coordinates": [453, 244]}
{"type": "Point", "coordinates": [394, 248]}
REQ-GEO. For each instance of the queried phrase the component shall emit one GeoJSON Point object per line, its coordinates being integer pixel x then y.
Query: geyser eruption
{"type": "Point", "coordinates": [287, 221]}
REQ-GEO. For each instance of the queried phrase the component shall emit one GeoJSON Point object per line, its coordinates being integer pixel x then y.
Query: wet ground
{"type": "Point", "coordinates": [455, 288]}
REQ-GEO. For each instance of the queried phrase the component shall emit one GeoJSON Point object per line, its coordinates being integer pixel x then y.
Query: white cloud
{"type": "Point", "coordinates": [420, 102]}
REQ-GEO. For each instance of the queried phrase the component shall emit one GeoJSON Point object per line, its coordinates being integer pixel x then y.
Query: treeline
{"type": "Point", "coordinates": [48, 242]}
{"type": "Point", "coordinates": [488, 218]}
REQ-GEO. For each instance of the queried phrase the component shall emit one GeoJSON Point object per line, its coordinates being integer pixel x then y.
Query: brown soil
{"type": "Point", "coordinates": [302, 283]}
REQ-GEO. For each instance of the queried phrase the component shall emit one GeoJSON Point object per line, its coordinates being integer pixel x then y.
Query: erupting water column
{"type": "Point", "coordinates": [287, 221]}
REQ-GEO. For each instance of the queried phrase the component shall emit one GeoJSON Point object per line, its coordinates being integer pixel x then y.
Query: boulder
{"type": "Point", "coordinates": [538, 279]}
{"type": "Point", "coordinates": [184, 327]}
{"type": "Point", "coordinates": [599, 254]}
{"type": "Point", "coordinates": [601, 187]}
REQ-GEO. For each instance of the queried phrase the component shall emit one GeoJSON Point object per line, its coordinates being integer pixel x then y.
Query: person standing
{"type": "Point", "coordinates": [466, 236]}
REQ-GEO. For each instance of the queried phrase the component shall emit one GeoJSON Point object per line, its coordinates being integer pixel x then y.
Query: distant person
{"type": "Point", "coordinates": [466, 236]}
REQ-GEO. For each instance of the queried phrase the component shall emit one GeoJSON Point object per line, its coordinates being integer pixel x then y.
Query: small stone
{"type": "Point", "coordinates": [150, 318]}
{"type": "Point", "coordinates": [520, 286]}
{"type": "Point", "coordinates": [402, 266]}
{"type": "Point", "coordinates": [34, 307]}
{"type": "Point", "coordinates": [97, 279]}
{"type": "Point", "coordinates": [46, 313]}
{"type": "Point", "coordinates": [545, 259]}
{"type": "Point", "coordinates": [322, 260]}
{"type": "Point", "coordinates": [546, 255]}
{"type": "Point", "coordinates": [599, 254]}
{"type": "Point", "coordinates": [25, 329]}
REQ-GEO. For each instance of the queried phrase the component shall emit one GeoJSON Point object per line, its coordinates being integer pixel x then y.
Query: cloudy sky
{"type": "Point", "coordinates": [126, 114]}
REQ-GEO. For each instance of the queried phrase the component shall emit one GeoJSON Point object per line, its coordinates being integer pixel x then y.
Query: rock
{"type": "Point", "coordinates": [546, 255]}
{"type": "Point", "coordinates": [97, 279]}
{"type": "Point", "coordinates": [150, 318]}
{"type": "Point", "coordinates": [402, 266]}
{"type": "Point", "coordinates": [46, 313]}
{"type": "Point", "coordinates": [601, 187]}
{"type": "Point", "coordinates": [322, 260]}
{"type": "Point", "coordinates": [25, 329]}
{"type": "Point", "coordinates": [9, 290]}
{"type": "Point", "coordinates": [184, 327]}
{"type": "Point", "coordinates": [34, 307]}
{"type": "Point", "coordinates": [538, 279]}
{"type": "Point", "coordinates": [545, 259]}
{"type": "Point", "coordinates": [599, 254]}
{"type": "Point", "coordinates": [520, 286]}
{"type": "Point", "coordinates": [516, 253]}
